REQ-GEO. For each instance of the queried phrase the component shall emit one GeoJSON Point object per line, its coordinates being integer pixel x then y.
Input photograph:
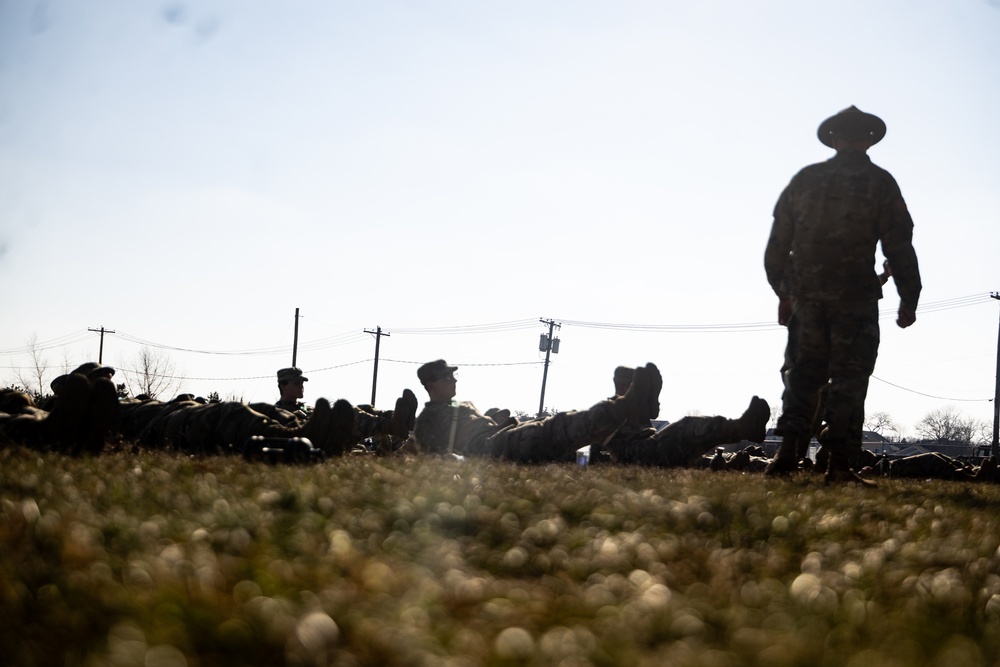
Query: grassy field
{"type": "Point", "coordinates": [161, 560]}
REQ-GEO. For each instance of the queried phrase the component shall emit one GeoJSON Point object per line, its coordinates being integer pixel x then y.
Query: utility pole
{"type": "Point", "coordinates": [995, 449]}
{"type": "Point", "coordinates": [295, 340]}
{"type": "Point", "coordinates": [100, 351]}
{"type": "Point", "coordinates": [548, 345]}
{"type": "Point", "coordinates": [378, 338]}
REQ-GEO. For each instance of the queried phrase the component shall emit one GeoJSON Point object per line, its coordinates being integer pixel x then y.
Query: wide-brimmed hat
{"type": "Point", "coordinates": [852, 122]}
{"type": "Point", "coordinates": [433, 370]}
{"type": "Point", "coordinates": [289, 374]}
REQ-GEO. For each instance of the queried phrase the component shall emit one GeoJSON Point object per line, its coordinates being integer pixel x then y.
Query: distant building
{"type": "Point", "coordinates": [880, 445]}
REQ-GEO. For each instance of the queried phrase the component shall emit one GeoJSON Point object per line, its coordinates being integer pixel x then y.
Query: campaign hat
{"type": "Point", "coordinates": [852, 122]}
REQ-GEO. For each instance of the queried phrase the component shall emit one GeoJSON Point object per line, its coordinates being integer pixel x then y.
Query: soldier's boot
{"type": "Point", "coordinates": [786, 459]}
{"type": "Point", "coordinates": [753, 421]}
{"type": "Point", "coordinates": [751, 425]}
{"type": "Point", "coordinates": [987, 470]}
{"type": "Point", "coordinates": [655, 386]}
{"type": "Point", "coordinates": [64, 424]}
{"type": "Point", "coordinates": [501, 417]}
{"type": "Point", "coordinates": [340, 432]}
{"type": "Point", "coordinates": [102, 415]}
{"type": "Point", "coordinates": [404, 415]}
{"type": "Point", "coordinates": [822, 459]}
{"type": "Point", "coordinates": [642, 400]}
{"type": "Point", "coordinates": [316, 428]}
{"type": "Point", "coordinates": [740, 461]}
{"type": "Point", "coordinates": [839, 469]}
{"type": "Point", "coordinates": [718, 461]}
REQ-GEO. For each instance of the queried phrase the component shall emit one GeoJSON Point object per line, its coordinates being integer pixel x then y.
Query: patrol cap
{"type": "Point", "coordinates": [289, 374]}
{"type": "Point", "coordinates": [852, 122]}
{"type": "Point", "coordinates": [434, 370]}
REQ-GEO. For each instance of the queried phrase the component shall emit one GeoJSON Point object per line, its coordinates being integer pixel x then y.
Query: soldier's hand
{"type": "Point", "coordinates": [906, 317]}
{"type": "Point", "coordinates": [784, 310]}
{"type": "Point", "coordinates": [886, 272]}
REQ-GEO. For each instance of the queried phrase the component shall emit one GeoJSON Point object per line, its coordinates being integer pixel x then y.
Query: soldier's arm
{"type": "Point", "coordinates": [429, 429]}
{"type": "Point", "coordinates": [779, 245]}
{"type": "Point", "coordinates": [896, 232]}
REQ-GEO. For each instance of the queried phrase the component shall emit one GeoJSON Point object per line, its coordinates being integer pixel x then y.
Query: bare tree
{"type": "Point", "coordinates": [984, 433]}
{"type": "Point", "coordinates": [949, 425]}
{"type": "Point", "coordinates": [152, 373]}
{"type": "Point", "coordinates": [33, 378]}
{"type": "Point", "coordinates": [880, 422]}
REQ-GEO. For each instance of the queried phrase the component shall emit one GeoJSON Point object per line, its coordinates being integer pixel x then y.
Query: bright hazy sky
{"type": "Point", "coordinates": [188, 174]}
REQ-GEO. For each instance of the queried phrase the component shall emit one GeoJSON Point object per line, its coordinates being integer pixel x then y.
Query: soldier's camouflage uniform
{"type": "Point", "coordinates": [77, 422]}
{"type": "Point", "coordinates": [458, 427]}
{"type": "Point", "coordinates": [294, 409]}
{"type": "Point", "coordinates": [193, 426]}
{"type": "Point", "coordinates": [827, 224]}
{"type": "Point", "coordinates": [86, 411]}
{"type": "Point", "coordinates": [447, 426]}
{"type": "Point", "coordinates": [931, 465]}
{"type": "Point", "coordinates": [368, 422]}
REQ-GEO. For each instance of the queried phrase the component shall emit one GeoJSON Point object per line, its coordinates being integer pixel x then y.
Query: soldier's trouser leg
{"type": "Point", "coordinates": [808, 371]}
{"type": "Point", "coordinates": [856, 431]}
{"type": "Point", "coordinates": [930, 464]}
{"type": "Point", "coordinates": [854, 339]}
{"type": "Point", "coordinates": [368, 424]}
{"type": "Point", "coordinates": [27, 429]}
{"type": "Point", "coordinates": [553, 437]}
{"type": "Point", "coordinates": [133, 416]}
{"type": "Point", "coordinates": [102, 413]}
{"type": "Point", "coordinates": [155, 430]}
{"type": "Point", "coordinates": [795, 446]}
{"type": "Point", "coordinates": [682, 442]}
{"type": "Point", "coordinates": [224, 427]}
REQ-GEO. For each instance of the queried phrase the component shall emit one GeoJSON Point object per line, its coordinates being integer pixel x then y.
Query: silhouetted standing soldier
{"type": "Point", "coordinates": [820, 261]}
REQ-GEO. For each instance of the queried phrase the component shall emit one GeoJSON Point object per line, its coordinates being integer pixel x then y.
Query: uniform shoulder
{"type": "Point", "coordinates": [882, 171]}
{"type": "Point", "coordinates": [812, 170]}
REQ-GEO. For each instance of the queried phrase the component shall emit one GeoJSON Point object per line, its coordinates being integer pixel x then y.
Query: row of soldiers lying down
{"type": "Point", "coordinates": [87, 414]}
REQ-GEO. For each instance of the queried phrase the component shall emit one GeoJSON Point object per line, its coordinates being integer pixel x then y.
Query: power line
{"type": "Point", "coordinates": [737, 327]}
{"type": "Point", "coordinates": [313, 371]}
{"type": "Point", "coordinates": [940, 398]}
{"type": "Point", "coordinates": [62, 341]}
{"type": "Point", "coordinates": [495, 327]}
{"type": "Point", "coordinates": [355, 336]}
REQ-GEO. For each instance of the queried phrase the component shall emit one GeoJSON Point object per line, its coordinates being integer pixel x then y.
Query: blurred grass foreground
{"type": "Point", "coordinates": [160, 560]}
